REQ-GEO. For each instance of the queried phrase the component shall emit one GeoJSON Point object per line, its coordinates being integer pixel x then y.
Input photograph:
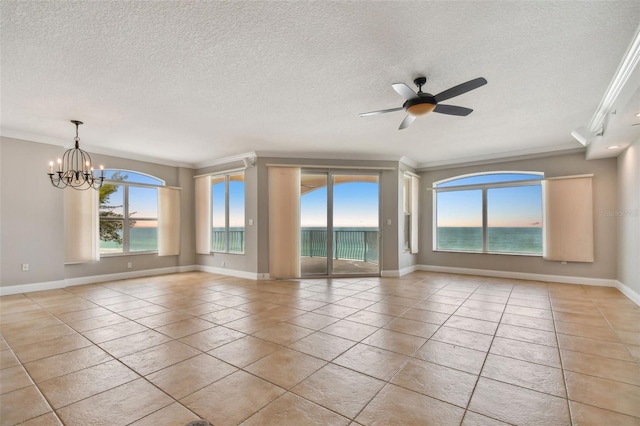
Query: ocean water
{"type": "Point", "coordinates": [360, 243]}
{"type": "Point", "coordinates": [501, 240]}
{"type": "Point", "coordinates": [142, 239]}
{"type": "Point", "coordinates": [146, 239]}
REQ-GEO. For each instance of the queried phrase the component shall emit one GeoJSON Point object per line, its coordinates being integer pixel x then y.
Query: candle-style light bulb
{"type": "Point", "coordinates": [101, 171]}
{"type": "Point", "coordinates": [50, 167]}
{"type": "Point", "coordinates": [59, 164]}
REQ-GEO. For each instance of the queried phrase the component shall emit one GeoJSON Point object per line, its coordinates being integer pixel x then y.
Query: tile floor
{"type": "Point", "coordinates": [423, 349]}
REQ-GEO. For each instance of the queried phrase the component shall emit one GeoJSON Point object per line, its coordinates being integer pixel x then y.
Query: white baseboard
{"type": "Point", "coordinates": [233, 272]}
{"type": "Point", "coordinates": [629, 292]}
{"type": "Point", "coordinates": [52, 285]}
{"type": "Point", "coordinates": [408, 270]}
{"type": "Point", "coordinates": [92, 279]}
{"type": "Point", "coordinates": [393, 273]}
{"type": "Point", "coordinates": [520, 275]}
{"type": "Point", "coordinates": [28, 288]}
{"type": "Point", "coordinates": [189, 268]}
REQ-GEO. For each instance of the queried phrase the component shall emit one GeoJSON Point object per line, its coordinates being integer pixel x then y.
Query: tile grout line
{"type": "Point", "coordinates": [35, 385]}
{"type": "Point", "coordinates": [404, 364]}
{"type": "Point", "coordinates": [466, 410]}
{"type": "Point", "coordinates": [626, 346]}
{"type": "Point", "coordinates": [385, 296]}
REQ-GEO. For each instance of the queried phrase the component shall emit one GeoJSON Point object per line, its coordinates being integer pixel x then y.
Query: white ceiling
{"type": "Point", "coordinates": [190, 82]}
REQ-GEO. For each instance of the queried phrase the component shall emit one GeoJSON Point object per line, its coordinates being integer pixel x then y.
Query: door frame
{"type": "Point", "coordinates": [330, 173]}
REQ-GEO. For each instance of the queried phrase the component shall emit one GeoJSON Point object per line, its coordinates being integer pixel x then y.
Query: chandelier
{"type": "Point", "coordinates": [75, 168]}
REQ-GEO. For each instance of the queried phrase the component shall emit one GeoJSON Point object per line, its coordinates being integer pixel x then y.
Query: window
{"type": "Point", "coordinates": [410, 191]}
{"type": "Point", "coordinates": [227, 213]}
{"type": "Point", "coordinates": [406, 212]}
{"type": "Point", "coordinates": [128, 213]}
{"type": "Point", "coordinates": [489, 213]}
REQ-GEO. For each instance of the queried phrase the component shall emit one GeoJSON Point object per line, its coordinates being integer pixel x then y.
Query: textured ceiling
{"type": "Point", "coordinates": [189, 82]}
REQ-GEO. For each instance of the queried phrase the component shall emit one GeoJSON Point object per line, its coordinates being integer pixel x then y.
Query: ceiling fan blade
{"type": "Point", "coordinates": [460, 89]}
{"type": "Point", "coordinates": [383, 111]}
{"type": "Point", "coordinates": [453, 110]}
{"type": "Point", "coordinates": [407, 121]}
{"type": "Point", "coordinates": [404, 91]}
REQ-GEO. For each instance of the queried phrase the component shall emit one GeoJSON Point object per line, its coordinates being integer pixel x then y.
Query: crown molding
{"type": "Point", "coordinates": [624, 72]}
{"type": "Point", "coordinates": [501, 157]}
{"type": "Point", "coordinates": [225, 160]}
{"type": "Point", "coordinates": [408, 161]}
{"type": "Point", "coordinates": [328, 156]}
{"type": "Point", "coordinates": [137, 157]}
{"type": "Point", "coordinates": [34, 138]}
{"type": "Point", "coordinates": [93, 149]}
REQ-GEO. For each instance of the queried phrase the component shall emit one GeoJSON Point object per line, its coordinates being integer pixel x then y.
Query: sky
{"type": "Point", "coordinates": [236, 204]}
{"type": "Point", "coordinates": [143, 202]}
{"type": "Point", "coordinates": [506, 207]}
{"type": "Point", "coordinates": [355, 204]}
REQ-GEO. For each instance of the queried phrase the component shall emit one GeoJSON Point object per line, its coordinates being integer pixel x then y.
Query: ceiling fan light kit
{"type": "Point", "coordinates": [422, 103]}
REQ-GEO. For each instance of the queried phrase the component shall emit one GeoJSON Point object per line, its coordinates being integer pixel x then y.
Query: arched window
{"type": "Point", "coordinates": [128, 213]}
{"type": "Point", "coordinates": [495, 212]}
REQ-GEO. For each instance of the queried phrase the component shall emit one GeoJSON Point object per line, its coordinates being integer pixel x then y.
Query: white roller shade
{"type": "Point", "coordinates": [284, 222]}
{"type": "Point", "coordinates": [415, 191]}
{"type": "Point", "coordinates": [568, 219]}
{"type": "Point", "coordinates": [81, 226]}
{"type": "Point", "coordinates": [168, 222]}
{"type": "Point", "coordinates": [203, 215]}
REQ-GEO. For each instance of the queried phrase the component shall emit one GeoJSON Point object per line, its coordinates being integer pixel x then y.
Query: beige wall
{"type": "Point", "coordinates": [248, 261]}
{"type": "Point", "coordinates": [604, 181]}
{"type": "Point", "coordinates": [628, 217]}
{"type": "Point", "coordinates": [389, 200]}
{"type": "Point", "coordinates": [187, 217]}
{"type": "Point", "coordinates": [31, 226]}
{"type": "Point", "coordinates": [31, 222]}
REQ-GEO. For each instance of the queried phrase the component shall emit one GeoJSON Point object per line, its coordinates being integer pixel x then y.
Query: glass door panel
{"type": "Point", "coordinates": [313, 224]}
{"type": "Point", "coordinates": [355, 224]}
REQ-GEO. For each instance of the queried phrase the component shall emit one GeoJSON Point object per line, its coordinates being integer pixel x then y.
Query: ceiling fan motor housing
{"type": "Point", "coordinates": [423, 104]}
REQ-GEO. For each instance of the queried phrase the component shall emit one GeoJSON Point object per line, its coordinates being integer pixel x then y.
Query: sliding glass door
{"type": "Point", "coordinates": [339, 223]}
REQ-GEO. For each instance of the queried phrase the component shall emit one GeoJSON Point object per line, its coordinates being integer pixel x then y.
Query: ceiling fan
{"type": "Point", "coordinates": [422, 103]}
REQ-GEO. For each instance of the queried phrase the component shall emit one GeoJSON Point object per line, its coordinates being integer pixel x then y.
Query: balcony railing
{"type": "Point", "coordinates": [348, 243]}
{"type": "Point", "coordinates": [236, 240]}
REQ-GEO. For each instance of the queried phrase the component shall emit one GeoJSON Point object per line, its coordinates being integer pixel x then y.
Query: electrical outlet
{"type": "Point", "coordinates": [25, 267]}
{"type": "Point", "coordinates": [250, 222]}
{"type": "Point", "coordinates": [130, 265]}
{"type": "Point", "coordinates": [388, 221]}
{"type": "Point", "coordinates": [224, 264]}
